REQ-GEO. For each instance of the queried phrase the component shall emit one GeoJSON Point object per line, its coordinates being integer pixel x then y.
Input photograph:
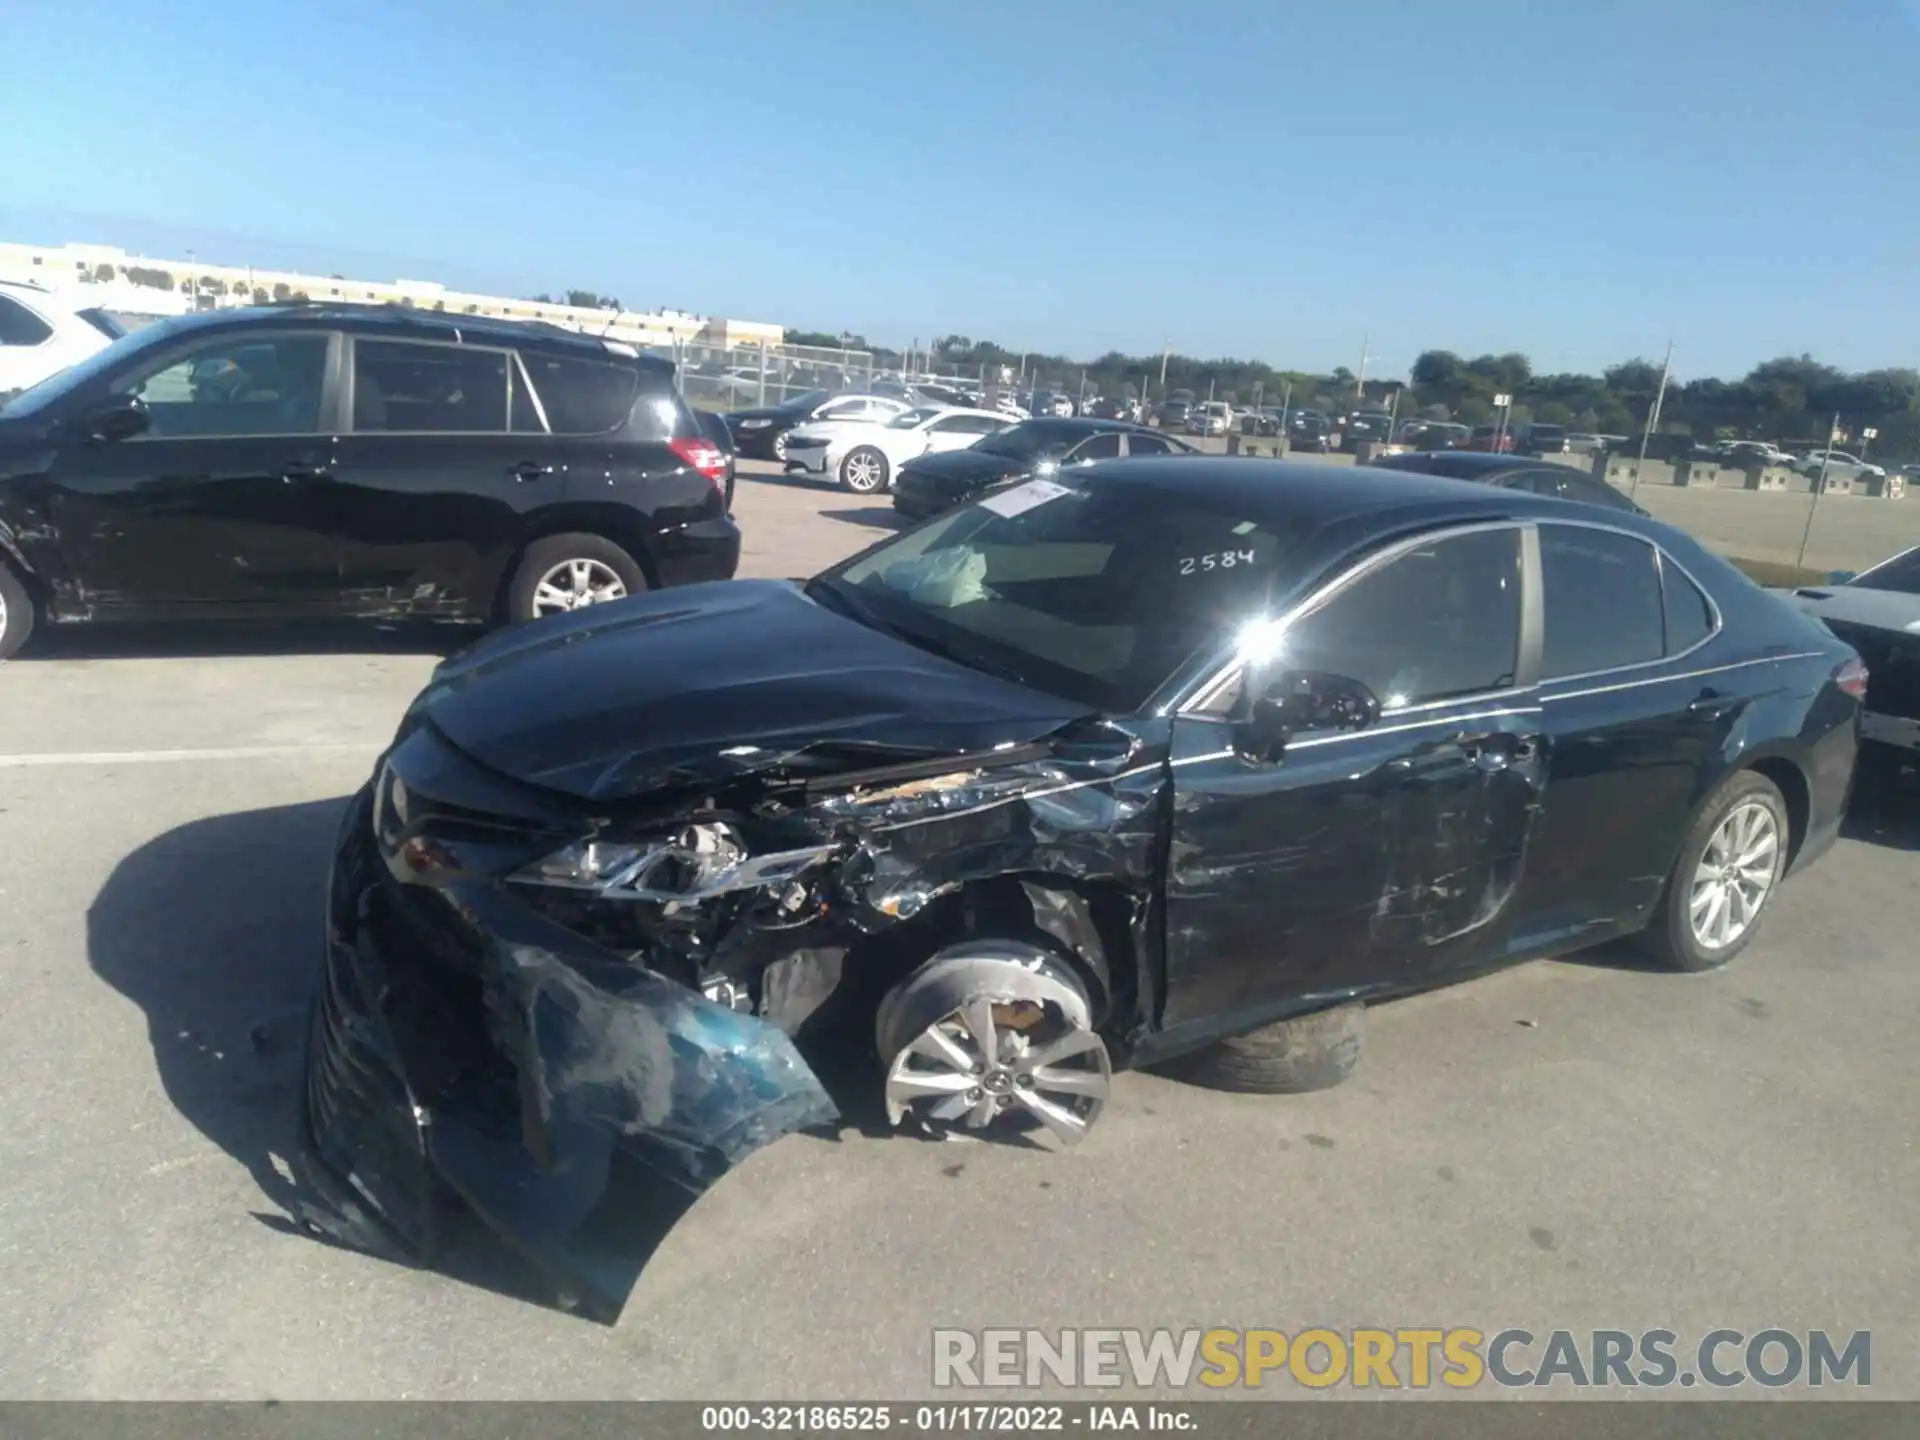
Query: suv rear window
{"type": "Point", "coordinates": [583, 397]}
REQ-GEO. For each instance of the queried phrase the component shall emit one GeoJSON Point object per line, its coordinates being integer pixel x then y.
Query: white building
{"type": "Point", "coordinates": [139, 285]}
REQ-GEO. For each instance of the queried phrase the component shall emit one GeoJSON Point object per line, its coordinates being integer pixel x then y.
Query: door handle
{"type": "Point", "coordinates": [1711, 703]}
{"type": "Point", "coordinates": [294, 471]}
{"type": "Point", "coordinates": [529, 470]}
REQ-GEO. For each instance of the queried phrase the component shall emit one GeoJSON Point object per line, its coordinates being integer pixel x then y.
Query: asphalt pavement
{"type": "Point", "coordinates": [1575, 1144]}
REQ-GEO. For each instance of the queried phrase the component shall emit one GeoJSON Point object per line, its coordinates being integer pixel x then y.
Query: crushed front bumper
{"type": "Point", "coordinates": [463, 1045]}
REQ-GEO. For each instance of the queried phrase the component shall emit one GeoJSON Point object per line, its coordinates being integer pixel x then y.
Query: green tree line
{"type": "Point", "coordinates": [1790, 399]}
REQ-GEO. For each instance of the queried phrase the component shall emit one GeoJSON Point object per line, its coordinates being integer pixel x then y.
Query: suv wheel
{"type": "Point", "coordinates": [16, 612]}
{"type": "Point", "coordinates": [571, 572]}
{"type": "Point", "coordinates": [864, 471]}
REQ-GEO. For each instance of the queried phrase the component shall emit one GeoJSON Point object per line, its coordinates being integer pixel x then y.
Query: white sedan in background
{"type": "Point", "coordinates": [865, 458]}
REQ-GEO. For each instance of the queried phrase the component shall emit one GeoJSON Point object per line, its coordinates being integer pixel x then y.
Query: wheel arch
{"type": "Point", "coordinates": [1778, 763]}
{"type": "Point", "coordinates": [610, 522]}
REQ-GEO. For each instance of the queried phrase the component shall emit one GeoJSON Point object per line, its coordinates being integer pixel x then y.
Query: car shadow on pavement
{"type": "Point", "coordinates": [1887, 814]}
{"type": "Point", "coordinates": [202, 639]}
{"type": "Point", "coordinates": [874, 517]}
{"type": "Point", "coordinates": [214, 931]}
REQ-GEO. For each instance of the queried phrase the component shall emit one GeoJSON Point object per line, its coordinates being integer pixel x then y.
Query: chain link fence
{"type": "Point", "coordinates": [744, 376]}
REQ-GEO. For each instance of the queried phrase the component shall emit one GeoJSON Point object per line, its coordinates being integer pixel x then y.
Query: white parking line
{"type": "Point", "coordinates": [162, 757]}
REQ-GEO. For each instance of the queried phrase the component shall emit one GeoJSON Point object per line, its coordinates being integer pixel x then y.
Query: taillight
{"type": "Point", "coordinates": [1851, 676]}
{"type": "Point", "coordinates": [704, 456]}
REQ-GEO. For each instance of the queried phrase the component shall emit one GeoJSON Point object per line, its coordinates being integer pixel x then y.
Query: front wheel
{"type": "Point", "coordinates": [571, 572]}
{"type": "Point", "coordinates": [16, 612]}
{"type": "Point", "coordinates": [1729, 866]}
{"type": "Point", "coordinates": [865, 470]}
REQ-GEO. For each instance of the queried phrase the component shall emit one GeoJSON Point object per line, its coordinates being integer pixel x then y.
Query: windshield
{"type": "Point", "coordinates": [907, 420]}
{"type": "Point", "coordinates": [1099, 594]}
{"type": "Point", "coordinates": [106, 323]}
{"type": "Point", "coordinates": [1902, 573]}
{"type": "Point", "coordinates": [1027, 441]}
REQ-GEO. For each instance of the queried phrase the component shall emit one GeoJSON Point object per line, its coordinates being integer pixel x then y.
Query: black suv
{"type": "Point", "coordinates": [352, 461]}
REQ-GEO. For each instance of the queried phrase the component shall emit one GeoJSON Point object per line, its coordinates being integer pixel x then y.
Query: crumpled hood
{"type": "Point", "coordinates": [704, 682]}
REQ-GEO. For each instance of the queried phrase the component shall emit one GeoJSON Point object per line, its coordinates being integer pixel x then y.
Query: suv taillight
{"type": "Point", "coordinates": [1851, 676]}
{"type": "Point", "coordinates": [702, 455]}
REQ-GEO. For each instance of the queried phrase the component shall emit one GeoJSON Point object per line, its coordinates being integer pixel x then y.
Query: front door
{"type": "Point", "coordinates": [1364, 861]}
{"type": "Point", "coordinates": [216, 502]}
{"type": "Point", "coordinates": [444, 453]}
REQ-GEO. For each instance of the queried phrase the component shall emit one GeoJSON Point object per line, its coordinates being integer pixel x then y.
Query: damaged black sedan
{"type": "Point", "coordinates": [1166, 762]}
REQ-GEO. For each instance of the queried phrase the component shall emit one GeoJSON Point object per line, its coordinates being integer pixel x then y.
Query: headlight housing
{"type": "Point", "coordinates": [694, 863]}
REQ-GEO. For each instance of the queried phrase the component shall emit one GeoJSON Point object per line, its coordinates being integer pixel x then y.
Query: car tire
{"type": "Point", "coordinates": [864, 470]}
{"type": "Point", "coordinates": [16, 612]}
{"type": "Point", "coordinates": [1290, 1057]}
{"type": "Point", "coordinates": [1673, 935]}
{"type": "Point", "coordinates": [542, 564]}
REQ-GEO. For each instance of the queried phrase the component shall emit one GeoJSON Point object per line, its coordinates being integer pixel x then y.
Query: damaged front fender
{"type": "Point", "coordinates": [550, 1084]}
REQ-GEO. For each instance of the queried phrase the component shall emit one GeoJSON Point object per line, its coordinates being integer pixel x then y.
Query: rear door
{"type": "Point", "coordinates": [446, 451]}
{"type": "Point", "coordinates": [1631, 722]}
{"type": "Point", "coordinates": [956, 432]}
{"type": "Point", "coordinates": [218, 503]}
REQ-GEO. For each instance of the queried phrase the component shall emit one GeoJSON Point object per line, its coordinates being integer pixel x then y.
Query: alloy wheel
{"type": "Point", "coordinates": [862, 471]}
{"type": "Point", "coordinates": [576, 584]}
{"type": "Point", "coordinates": [1735, 875]}
{"type": "Point", "coordinates": [989, 1064]}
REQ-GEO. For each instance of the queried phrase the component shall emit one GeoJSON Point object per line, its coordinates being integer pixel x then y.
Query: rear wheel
{"type": "Point", "coordinates": [16, 612]}
{"type": "Point", "coordinates": [865, 470]}
{"type": "Point", "coordinates": [571, 572]}
{"type": "Point", "coordinates": [1730, 864]}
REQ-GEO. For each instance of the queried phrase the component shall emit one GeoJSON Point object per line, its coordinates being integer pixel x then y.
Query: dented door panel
{"type": "Point", "coordinates": [1358, 863]}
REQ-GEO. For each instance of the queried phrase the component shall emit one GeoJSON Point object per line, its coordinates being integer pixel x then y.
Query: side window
{"type": "Point", "coordinates": [1689, 615]}
{"type": "Point", "coordinates": [19, 325]}
{"type": "Point", "coordinates": [582, 397]}
{"type": "Point", "coordinates": [1097, 447]}
{"type": "Point", "coordinates": [1439, 622]}
{"type": "Point", "coordinates": [237, 385]}
{"type": "Point", "coordinates": [842, 410]}
{"type": "Point", "coordinates": [399, 385]}
{"type": "Point", "coordinates": [1603, 603]}
{"type": "Point", "coordinates": [1147, 445]}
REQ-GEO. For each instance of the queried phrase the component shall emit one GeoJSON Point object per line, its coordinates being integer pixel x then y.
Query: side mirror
{"type": "Point", "coordinates": [1288, 701]}
{"type": "Point", "coordinates": [120, 418]}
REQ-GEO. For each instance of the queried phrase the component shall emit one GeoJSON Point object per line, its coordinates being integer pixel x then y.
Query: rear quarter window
{"type": "Point", "coordinates": [593, 397]}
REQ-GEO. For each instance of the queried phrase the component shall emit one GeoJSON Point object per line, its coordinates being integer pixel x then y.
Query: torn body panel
{"type": "Point", "coordinates": [543, 1023]}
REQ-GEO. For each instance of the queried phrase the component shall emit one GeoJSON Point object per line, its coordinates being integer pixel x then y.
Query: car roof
{"type": "Point", "coordinates": [1464, 463]}
{"type": "Point", "coordinates": [404, 322]}
{"type": "Point", "coordinates": [1304, 497]}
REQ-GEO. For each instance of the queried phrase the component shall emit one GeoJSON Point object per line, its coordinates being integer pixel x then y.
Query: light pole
{"type": "Point", "coordinates": [1502, 403]}
{"type": "Point", "coordinates": [1819, 485]}
{"type": "Point", "coordinates": [1653, 419]}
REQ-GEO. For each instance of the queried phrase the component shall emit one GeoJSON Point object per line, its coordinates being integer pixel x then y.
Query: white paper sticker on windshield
{"type": "Point", "coordinates": [1022, 498]}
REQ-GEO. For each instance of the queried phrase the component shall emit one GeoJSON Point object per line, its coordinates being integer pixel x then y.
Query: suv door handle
{"type": "Point", "coordinates": [1711, 703]}
{"type": "Point", "coordinates": [1496, 749]}
{"type": "Point", "coordinates": [295, 471]}
{"type": "Point", "coordinates": [529, 470]}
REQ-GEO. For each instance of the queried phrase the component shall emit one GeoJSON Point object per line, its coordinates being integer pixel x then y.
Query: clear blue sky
{"type": "Point", "coordinates": [1579, 181]}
